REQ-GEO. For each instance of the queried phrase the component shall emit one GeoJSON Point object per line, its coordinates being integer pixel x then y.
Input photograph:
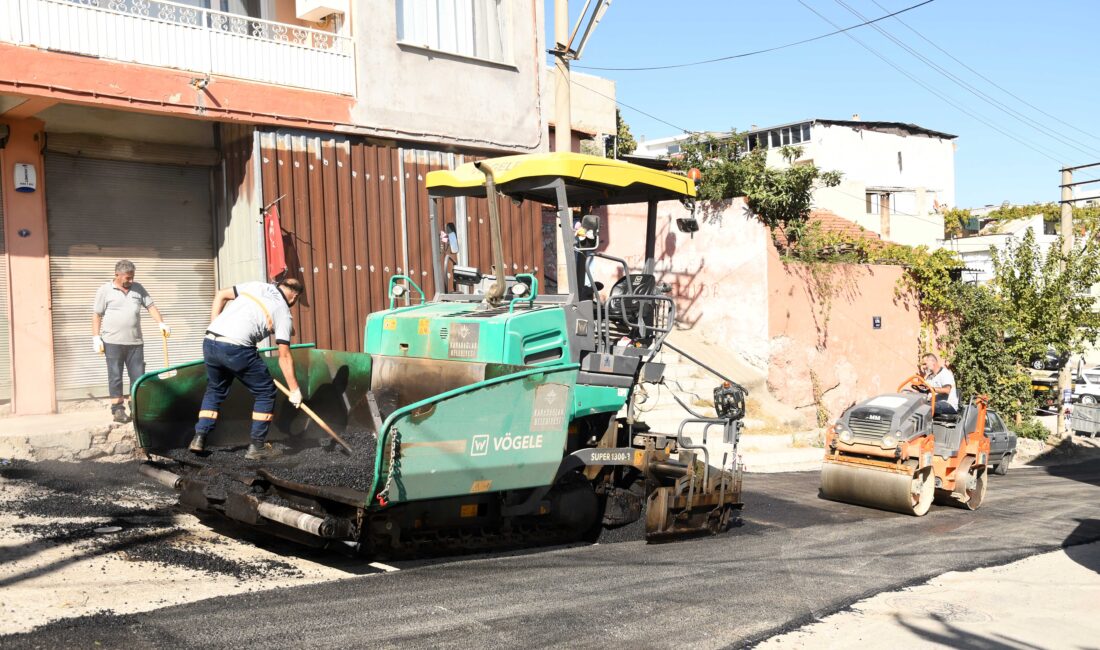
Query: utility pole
{"type": "Point", "coordinates": [564, 52]}
{"type": "Point", "coordinates": [1067, 248]}
{"type": "Point", "coordinates": [563, 120]}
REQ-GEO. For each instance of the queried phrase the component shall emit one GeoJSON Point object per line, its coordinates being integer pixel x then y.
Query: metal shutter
{"type": "Point", "coordinates": [159, 217]}
{"type": "Point", "coordinates": [5, 327]}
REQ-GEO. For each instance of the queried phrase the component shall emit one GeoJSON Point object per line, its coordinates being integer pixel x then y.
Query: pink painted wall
{"type": "Point", "coordinates": [28, 273]}
{"type": "Point", "coordinates": [719, 277]}
{"type": "Point", "coordinates": [834, 337]}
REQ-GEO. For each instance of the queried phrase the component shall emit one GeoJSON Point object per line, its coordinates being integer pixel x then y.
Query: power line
{"type": "Point", "coordinates": [625, 105]}
{"type": "Point", "coordinates": [1030, 145]}
{"type": "Point", "coordinates": [1020, 117]}
{"type": "Point", "coordinates": [988, 80]}
{"type": "Point", "coordinates": [755, 52]}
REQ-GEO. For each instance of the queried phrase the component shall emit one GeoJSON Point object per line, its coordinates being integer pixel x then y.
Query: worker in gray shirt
{"type": "Point", "coordinates": [241, 317]}
{"type": "Point", "coordinates": [116, 331]}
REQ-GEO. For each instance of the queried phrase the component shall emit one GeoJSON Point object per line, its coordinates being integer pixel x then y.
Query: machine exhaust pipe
{"type": "Point", "coordinates": [495, 292]}
{"type": "Point", "coordinates": [159, 475]}
{"type": "Point", "coordinates": [296, 519]}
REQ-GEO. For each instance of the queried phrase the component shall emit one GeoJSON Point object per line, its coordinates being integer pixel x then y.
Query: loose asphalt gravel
{"type": "Point", "coordinates": [796, 558]}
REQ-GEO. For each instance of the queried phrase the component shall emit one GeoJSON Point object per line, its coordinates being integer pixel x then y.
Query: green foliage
{"type": "Point", "coordinates": [780, 198]}
{"type": "Point", "coordinates": [1030, 427]}
{"type": "Point", "coordinates": [1047, 296]}
{"type": "Point", "coordinates": [981, 358]}
{"type": "Point", "coordinates": [624, 141]}
{"type": "Point", "coordinates": [1085, 218]}
{"type": "Point", "coordinates": [954, 221]}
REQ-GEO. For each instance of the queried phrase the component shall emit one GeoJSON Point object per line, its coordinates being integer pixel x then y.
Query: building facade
{"type": "Point", "coordinates": [896, 177]}
{"type": "Point", "coordinates": [158, 132]}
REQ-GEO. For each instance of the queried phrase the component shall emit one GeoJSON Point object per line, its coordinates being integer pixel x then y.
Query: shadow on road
{"type": "Point", "coordinates": [121, 545]}
{"type": "Point", "coordinates": [1079, 546]}
{"type": "Point", "coordinates": [954, 636]}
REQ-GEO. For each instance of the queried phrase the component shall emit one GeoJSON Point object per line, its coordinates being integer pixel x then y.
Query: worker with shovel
{"type": "Point", "coordinates": [116, 331]}
{"type": "Point", "coordinates": [241, 317]}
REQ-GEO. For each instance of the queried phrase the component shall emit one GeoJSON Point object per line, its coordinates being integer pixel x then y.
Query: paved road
{"type": "Point", "coordinates": [795, 559]}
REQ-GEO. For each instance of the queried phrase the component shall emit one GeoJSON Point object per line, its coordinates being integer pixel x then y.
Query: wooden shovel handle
{"type": "Point", "coordinates": [316, 418]}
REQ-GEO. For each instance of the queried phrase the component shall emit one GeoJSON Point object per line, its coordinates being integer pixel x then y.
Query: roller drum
{"type": "Point", "coordinates": [906, 493]}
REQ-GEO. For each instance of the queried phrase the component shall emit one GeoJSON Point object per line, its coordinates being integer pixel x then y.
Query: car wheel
{"type": "Point", "coordinates": [1088, 399]}
{"type": "Point", "coordinates": [1038, 364]}
{"type": "Point", "coordinates": [1002, 467]}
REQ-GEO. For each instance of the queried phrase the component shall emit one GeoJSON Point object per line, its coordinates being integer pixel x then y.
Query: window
{"type": "Point", "coordinates": [774, 135]}
{"type": "Point", "coordinates": [786, 136]}
{"type": "Point", "coordinates": [249, 8]}
{"type": "Point", "coordinates": [873, 204]}
{"type": "Point", "coordinates": [806, 132]}
{"type": "Point", "coordinates": [899, 162]}
{"type": "Point", "coordinates": [674, 148]}
{"type": "Point", "coordinates": [473, 28]}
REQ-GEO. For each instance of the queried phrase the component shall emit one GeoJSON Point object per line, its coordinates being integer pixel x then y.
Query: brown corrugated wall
{"type": "Point", "coordinates": [354, 213]}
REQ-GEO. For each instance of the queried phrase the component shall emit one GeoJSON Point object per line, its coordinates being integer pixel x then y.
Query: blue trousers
{"type": "Point", "coordinates": [224, 363]}
{"type": "Point", "coordinates": [131, 357]}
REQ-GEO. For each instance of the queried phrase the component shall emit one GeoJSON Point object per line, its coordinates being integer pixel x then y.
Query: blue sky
{"type": "Point", "coordinates": [1018, 44]}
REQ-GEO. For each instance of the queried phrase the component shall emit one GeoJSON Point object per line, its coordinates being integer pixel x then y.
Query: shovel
{"type": "Point", "coordinates": [316, 418]}
{"type": "Point", "coordinates": [170, 373]}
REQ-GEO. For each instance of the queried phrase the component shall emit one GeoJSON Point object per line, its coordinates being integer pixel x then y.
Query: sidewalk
{"type": "Point", "coordinates": [74, 435]}
{"type": "Point", "coordinates": [1044, 601]}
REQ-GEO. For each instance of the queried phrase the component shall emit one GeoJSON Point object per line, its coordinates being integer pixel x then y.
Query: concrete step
{"type": "Point", "coordinates": [790, 460]}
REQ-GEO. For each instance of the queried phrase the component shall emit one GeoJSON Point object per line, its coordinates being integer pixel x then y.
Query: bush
{"type": "Point", "coordinates": [1030, 427]}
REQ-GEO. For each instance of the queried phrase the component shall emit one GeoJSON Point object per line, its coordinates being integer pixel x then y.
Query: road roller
{"type": "Point", "coordinates": [889, 452]}
{"type": "Point", "coordinates": [486, 414]}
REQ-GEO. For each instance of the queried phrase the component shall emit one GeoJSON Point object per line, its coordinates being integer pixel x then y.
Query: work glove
{"type": "Point", "coordinates": [97, 345]}
{"type": "Point", "coordinates": [295, 397]}
{"type": "Point", "coordinates": [165, 331]}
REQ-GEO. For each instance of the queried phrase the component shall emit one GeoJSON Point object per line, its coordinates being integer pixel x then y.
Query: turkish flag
{"type": "Point", "coordinates": [273, 241]}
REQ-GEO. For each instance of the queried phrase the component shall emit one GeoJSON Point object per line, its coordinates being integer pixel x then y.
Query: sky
{"type": "Point", "coordinates": [1042, 53]}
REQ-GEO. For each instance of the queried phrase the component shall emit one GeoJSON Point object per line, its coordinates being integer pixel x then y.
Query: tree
{"type": "Point", "coordinates": [981, 356]}
{"type": "Point", "coordinates": [780, 198]}
{"type": "Point", "coordinates": [623, 143]}
{"type": "Point", "coordinates": [1048, 296]}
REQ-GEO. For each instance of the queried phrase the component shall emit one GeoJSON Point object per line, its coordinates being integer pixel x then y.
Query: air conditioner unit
{"type": "Point", "coordinates": [315, 10]}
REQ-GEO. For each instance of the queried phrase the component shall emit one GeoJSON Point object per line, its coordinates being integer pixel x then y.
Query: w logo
{"type": "Point", "coordinates": [480, 445]}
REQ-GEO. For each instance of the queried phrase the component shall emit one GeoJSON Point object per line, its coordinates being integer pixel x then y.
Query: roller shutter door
{"type": "Point", "coordinates": [5, 327]}
{"type": "Point", "coordinates": [159, 217]}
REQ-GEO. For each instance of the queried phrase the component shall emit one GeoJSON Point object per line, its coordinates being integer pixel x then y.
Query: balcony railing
{"type": "Point", "coordinates": [173, 35]}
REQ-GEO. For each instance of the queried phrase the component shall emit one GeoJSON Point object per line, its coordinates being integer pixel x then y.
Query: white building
{"type": "Point", "coordinates": [896, 176]}
{"type": "Point", "coordinates": [976, 253]}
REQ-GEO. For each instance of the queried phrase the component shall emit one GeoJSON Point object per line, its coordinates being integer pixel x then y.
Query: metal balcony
{"type": "Point", "coordinates": [173, 35]}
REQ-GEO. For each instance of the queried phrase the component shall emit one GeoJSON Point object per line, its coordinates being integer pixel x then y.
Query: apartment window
{"type": "Point", "coordinates": [473, 28]}
{"type": "Point", "coordinates": [877, 202]}
{"type": "Point", "coordinates": [774, 136]}
{"type": "Point", "coordinates": [674, 148]}
{"type": "Point", "coordinates": [806, 132]}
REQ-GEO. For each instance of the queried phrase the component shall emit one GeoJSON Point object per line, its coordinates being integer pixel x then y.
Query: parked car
{"type": "Point", "coordinates": [1086, 387]}
{"type": "Point", "coordinates": [1002, 443]}
{"type": "Point", "coordinates": [1049, 361]}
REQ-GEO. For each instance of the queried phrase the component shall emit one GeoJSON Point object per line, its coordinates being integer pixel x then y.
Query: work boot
{"type": "Point", "coordinates": [119, 413]}
{"type": "Point", "coordinates": [261, 451]}
{"type": "Point", "coordinates": [198, 443]}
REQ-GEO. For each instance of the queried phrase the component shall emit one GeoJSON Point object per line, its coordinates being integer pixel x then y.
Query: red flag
{"type": "Point", "coordinates": [273, 240]}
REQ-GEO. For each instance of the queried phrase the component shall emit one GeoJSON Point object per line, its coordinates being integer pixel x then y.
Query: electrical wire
{"type": "Point", "coordinates": [1030, 145]}
{"type": "Point", "coordinates": [755, 52]}
{"type": "Point", "coordinates": [987, 79]}
{"type": "Point", "coordinates": [628, 106]}
{"type": "Point", "coordinates": [995, 103]}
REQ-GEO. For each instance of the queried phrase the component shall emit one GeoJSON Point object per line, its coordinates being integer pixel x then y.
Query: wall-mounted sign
{"type": "Point", "coordinates": [26, 179]}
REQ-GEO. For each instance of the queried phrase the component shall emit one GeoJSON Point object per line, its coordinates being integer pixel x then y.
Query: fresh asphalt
{"type": "Point", "coordinates": [795, 558]}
